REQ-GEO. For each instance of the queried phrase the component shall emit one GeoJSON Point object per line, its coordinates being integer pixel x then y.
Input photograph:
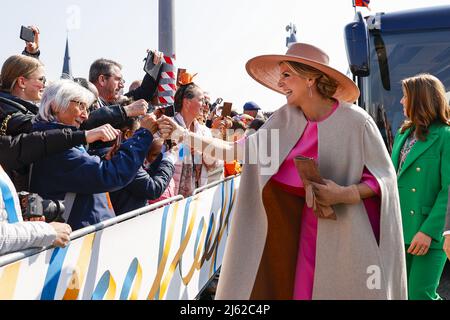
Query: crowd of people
{"type": "Point", "coordinates": [90, 149]}
{"type": "Point", "coordinates": [98, 153]}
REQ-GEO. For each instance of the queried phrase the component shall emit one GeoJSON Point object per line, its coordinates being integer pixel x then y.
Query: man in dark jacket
{"type": "Point", "coordinates": [106, 75]}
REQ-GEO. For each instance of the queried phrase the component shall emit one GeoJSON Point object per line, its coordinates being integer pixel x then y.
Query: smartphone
{"type": "Point", "coordinates": [27, 34]}
{"type": "Point", "coordinates": [226, 110]}
{"type": "Point", "coordinates": [118, 141]}
{"type": "Point", "coordinates": [149, 65]}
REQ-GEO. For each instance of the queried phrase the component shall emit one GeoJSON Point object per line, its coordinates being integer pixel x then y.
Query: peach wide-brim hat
{"type": "Point", "coordinates": [265, 69]}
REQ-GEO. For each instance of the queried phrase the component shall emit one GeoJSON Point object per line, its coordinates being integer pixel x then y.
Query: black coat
{"type": "Point", "coordinates": [22, 116]}
{"type": "Point", "coordinates": [145, 91]}
{"type": "Point", "coordinates": [24, 149]}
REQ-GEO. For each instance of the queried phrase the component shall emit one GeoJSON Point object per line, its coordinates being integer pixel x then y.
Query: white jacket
{"type": "Point", "coordinates": [21, 235]}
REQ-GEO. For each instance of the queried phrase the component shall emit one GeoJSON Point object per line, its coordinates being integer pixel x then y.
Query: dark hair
{"type": "Point", "coordinates": [102, 67]}
{"type": "Point", "coordinates": [256, 124]}
{"type": "Point", "coordinates": [129, 124]}
{"type": "Point", "coordinates": [238, 125]}
{"type": "Point", "coordinates": [184, 91]}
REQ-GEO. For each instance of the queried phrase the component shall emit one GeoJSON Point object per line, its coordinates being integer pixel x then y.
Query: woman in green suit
{"type": "Point", "coordinates": [421, 157]}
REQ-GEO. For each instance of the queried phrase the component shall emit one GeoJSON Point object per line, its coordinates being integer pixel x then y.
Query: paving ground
{"type": "Point", "coordinates": [443, 290]}
{"type": "Point", "coordinates": [444, 287]}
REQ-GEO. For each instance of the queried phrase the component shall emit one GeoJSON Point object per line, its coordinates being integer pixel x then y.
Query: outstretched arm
{"type": "Point", "coordinates": [212, 147]}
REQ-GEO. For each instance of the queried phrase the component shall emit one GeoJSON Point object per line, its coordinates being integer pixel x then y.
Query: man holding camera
{"type": "Point", "coordinates": [107, 77]}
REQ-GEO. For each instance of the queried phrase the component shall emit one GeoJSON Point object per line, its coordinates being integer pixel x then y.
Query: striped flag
{"type": "Point", "coordinates": [167, 82]}
{"type": "Point", "coordinates": [361, 3]}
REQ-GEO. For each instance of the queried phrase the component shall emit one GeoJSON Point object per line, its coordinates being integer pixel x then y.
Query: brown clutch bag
{"type": "Point", "coordinates": [308, 171]}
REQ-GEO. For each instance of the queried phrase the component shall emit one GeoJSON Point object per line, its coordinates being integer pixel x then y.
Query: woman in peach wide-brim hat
{"type": "Point", "coordinates": [277, 248]}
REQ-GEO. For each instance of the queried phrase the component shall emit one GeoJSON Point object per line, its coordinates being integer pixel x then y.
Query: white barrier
{"type": "Point", "coordinates": [169, 252]}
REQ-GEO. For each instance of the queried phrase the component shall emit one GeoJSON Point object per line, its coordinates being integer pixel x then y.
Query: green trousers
{"type": "Point", "coordinates": [424, 274]}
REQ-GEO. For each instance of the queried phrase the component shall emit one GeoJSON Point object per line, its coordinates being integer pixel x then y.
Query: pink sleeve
{"type": "Point", "coordinates": [371, 182]}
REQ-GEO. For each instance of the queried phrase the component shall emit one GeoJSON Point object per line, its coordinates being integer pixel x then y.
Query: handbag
{"type": "Point", "coordinates": [309, 172]}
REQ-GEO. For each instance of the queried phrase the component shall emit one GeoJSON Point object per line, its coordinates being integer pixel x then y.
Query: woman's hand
{"type": "Point", "coordinates": [103, 133]}
{"type": "Point", "coordinates": [33, 47]}
{"type": "Point", "coordinates": [63, 231]}
{"type": "Point", "coordinates": [150, 123]}
{"type": "Point", "coordinates": [447, 246]}
{"type": "Point", "coordinates": [157, 57]}
{"type": "Point", "coordinates": [137, 108]}
{"type": "Point", "coordinates": [168, 128]}
{"type": "Point", "coordinates": [420, 244]}
{"type": "Point", "coordinates": [331, 193]}
{"type": "Point", "coordinates": [222, 123]}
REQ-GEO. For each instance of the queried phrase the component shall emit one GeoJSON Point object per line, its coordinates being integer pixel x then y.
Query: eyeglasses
{"type": "Point", "coordinates": [119, 79]}
{"type": "Point", "coordinates": [81, 105]}
{"type": "Point", "coordinates": [42, 79]}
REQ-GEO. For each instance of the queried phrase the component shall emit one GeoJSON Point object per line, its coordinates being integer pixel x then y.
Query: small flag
{"type": "Point", "coordinates": [361, 3]}
{"type": "Point", "coordinates": [167, 86]}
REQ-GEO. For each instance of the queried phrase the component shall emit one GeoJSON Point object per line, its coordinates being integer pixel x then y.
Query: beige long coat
{"type": "Point", "coordinates": [349, 262]}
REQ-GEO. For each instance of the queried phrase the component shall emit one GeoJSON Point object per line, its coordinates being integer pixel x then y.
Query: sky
{"type": "Point", "coordinates": [212, 38]}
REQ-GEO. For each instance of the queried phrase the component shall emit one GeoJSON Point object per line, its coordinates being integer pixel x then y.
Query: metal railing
{"type": "Point", "coordinates": [15, 256]}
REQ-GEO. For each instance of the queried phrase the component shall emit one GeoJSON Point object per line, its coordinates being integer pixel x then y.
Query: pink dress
{"type": "Point", "coordinates": [289, 180]}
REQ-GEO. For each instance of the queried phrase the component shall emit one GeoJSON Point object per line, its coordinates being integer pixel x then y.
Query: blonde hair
{"type": "Point", "coordinates": [17, 66]}
{"type": "Point", "coordinates": [426, 102]}
{"type": "Point", "coordinates": [325, 85]}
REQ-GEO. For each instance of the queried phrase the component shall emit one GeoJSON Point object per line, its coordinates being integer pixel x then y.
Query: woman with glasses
{"type": "Point", "coordinates": [22, 82]}
{"type": "Point", "coordinates": [80, 179]}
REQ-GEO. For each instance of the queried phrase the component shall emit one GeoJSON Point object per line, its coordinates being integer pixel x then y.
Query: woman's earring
{"type": "Point", "coordinates": [310, 91]}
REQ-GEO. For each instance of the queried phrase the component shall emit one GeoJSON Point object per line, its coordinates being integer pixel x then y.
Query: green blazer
{"type": "Point", "coordinates": [423, 183]}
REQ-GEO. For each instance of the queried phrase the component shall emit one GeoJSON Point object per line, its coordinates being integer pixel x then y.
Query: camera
{"type": "Point", "coordinates": [27, 34]}
{"type": "Point", "coordinates": [168, 110]}
{"type": "Point", "coordinates": [214, 105]}
{"type": "Point", "coordinates": [150, 67]}
{"type": "Point", "coordinates": [33, 205]}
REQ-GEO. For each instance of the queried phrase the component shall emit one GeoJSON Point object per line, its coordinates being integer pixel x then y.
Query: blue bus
{"type": "Point", "coordinates": [385, 48]}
